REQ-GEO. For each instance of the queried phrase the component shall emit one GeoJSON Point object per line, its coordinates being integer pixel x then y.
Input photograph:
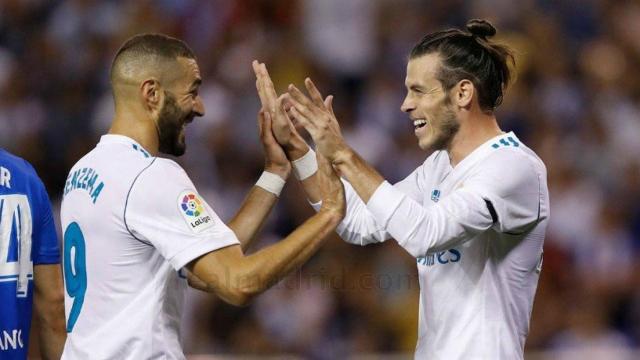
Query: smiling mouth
{"type": "Point", "coordinates": [187, 121]}
{"type": "Point", "coordinates": [418, 123]}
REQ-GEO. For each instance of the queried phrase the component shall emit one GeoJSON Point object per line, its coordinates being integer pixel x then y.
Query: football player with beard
{"type": "Point", "coordinates": [136, 231]}
{"type": "Point", "coordinates": [473, 214]}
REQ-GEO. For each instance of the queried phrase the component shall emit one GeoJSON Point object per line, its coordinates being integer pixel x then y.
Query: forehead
{"type": "Point", "coordinates": [423, 69]}
{"type": "Point", "coordinates": [187, 70]}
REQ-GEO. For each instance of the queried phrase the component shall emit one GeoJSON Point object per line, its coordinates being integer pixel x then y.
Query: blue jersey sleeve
{"type": "Point", "coordinates": [45, 239]}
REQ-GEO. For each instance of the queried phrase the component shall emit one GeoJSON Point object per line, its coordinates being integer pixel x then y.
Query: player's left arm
{"type": "Point", "coordinates": [511, 202]}
{"type": "Point", "coordinates": [258, 204]}
{"type": "Point", "coordinates": [47, 279]}
{"type": "Point", "coordinates": [505, 195]}
{"type": "Point", "coordinates": [49, 309]}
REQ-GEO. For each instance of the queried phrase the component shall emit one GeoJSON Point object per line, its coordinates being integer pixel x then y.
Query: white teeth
{"type": "Point", "coordinates": [419, 122]}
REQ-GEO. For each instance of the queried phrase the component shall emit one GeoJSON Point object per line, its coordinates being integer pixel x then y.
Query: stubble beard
{"type": "Point", "coordinates": [447, 128]}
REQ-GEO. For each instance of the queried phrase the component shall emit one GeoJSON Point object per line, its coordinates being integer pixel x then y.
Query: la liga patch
{"type": "Point", "coordinates": [194, 212]}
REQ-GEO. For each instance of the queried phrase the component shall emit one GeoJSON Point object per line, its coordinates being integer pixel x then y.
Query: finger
{"type": "Point", "coordinates": [298, 96]}
{"type": "Point", "coordinates": [328, 104]}
{"type": "Point", "coordinates": [264, 99]}
{"type": "Point", "coordinates": [281, 105]}
{"type": "Point", "coordinates": [293, 120]}
{"type": "Point", "coordinates": [269, 89]}
{"type": "Point", "coordinates": [286, 106]}
{"type": "Point", "coordinates": [313, 92]}
{"type": "Point", "coordinates": [302, 120]}
{"type": "Point", "coordinates": [265, 134]}
{"type": "Point", "coordinates": [266, 128]}
{"type": "Point", "coordinates": [256, 67]}
{"type": "Point", "coordinates": [260, 122]}
{"type": "Point", "coordinates": [282, 99]}
{"type": "Point", "coordinates": [300, 108]}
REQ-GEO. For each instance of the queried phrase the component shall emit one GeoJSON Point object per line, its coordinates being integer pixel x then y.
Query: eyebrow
{"type": "Point", "coordinates": [197, 82]}
{"type": "Point", "coordinates": [414, 87]}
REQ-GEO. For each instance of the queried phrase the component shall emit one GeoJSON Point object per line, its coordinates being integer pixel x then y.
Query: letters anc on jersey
{"type": "Point", "coordinates": [194, 211]}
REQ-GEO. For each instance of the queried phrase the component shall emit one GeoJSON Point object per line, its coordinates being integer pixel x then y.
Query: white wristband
{"type": "Point", "coordinates": [271, 182]}
{"type": "Point", "coordinates": [306, 166]}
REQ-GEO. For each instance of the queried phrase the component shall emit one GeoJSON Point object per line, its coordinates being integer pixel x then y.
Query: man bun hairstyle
{"type": "Point", "coordinates": [481, 28]}
{"type": "Point", "coordinates": [470, 55]}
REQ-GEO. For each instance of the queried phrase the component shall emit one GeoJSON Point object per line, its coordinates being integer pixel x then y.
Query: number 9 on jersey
{"type": "Point", "coordinates": [75, 270]}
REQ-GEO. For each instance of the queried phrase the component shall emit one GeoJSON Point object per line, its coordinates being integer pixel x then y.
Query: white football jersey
{"type": "Point", "coordinates": [477, 231]}
{"type": "Point", "coordinates": [131, 222]}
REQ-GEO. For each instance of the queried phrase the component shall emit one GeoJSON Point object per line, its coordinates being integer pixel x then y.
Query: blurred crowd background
{"type": "Point", "coordinates": [576, 102]}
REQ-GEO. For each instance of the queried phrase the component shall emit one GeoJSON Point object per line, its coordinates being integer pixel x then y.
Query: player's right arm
{"type": "Point", "coordinates": [258, 203]}
{"type": "Point", "coordinates": [237, 278]}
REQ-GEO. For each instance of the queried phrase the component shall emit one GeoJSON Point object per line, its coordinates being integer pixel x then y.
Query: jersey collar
{"type": "Point", "coordinates": [503, 140]}
{"type": "Point", "coordinates": [124, 140]}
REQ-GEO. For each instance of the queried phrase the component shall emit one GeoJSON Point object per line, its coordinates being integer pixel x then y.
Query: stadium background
{"type": "Point", "coordinates": [576, 102]}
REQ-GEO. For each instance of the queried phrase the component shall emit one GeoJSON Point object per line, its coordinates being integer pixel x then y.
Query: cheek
{"type": "Point", "coordinates": [429, 105]}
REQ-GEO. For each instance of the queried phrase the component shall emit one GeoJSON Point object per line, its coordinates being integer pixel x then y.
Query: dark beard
{"type": "Point", "coordinates": [170, 123]}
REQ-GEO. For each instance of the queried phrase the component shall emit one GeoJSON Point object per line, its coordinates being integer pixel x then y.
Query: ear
{"type": "Point", "coordinates": [152, 94]}
{"type": "Point", "coordinates": [463, 93]}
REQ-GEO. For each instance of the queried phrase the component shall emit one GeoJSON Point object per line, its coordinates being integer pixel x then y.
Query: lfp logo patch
{"type": "Point", "coordinates": [191, 205]}
{"type": "Point", "coordinates": [194, 212]}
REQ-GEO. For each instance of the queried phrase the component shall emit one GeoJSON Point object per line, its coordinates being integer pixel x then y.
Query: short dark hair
{"type": "Point", "coordinates": [470, 55]}
{"type": "Point", "coordinates": [159, 45]}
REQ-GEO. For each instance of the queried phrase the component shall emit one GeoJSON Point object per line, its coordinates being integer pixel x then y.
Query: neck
{"type": "Point", "coordinates": [138, 127]}
{"type": "Point", "coordinates": [474, 131]}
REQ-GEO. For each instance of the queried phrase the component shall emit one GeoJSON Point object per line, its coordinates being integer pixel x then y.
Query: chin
{"type": "Point", "coordinates": [424, 146]}
{"type": "Point", "coordinates": [427, 143]}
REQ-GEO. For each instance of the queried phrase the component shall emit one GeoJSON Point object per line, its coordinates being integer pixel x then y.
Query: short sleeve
{"type": "Point", "coordinates": [164, 210]}
{"type": "Point", "coordinates": [45, 239]}
{"type": "Point", "coordinates": [511, 186]}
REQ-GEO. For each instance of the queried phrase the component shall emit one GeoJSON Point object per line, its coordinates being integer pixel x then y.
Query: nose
{"type": "Point", "coordinates": [407, 105]}
{"type": "Point", "coordinates": [198, 107]}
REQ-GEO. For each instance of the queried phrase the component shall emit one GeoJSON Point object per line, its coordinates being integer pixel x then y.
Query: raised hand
{"type": "Point", "coordinates": [318, 118]}
{"type": "Point", "coordinates": [283, 130]}
{"type": "Point", "coordinates": [275, 159]}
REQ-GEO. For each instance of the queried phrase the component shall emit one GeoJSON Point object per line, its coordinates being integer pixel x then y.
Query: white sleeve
{"type": "Point", "coordinates": [510, 188]}
{"type": "Point", "coordinates": [164, 210]}
{"type": "Point", "coordinates": [359, 226]}
{"type": "Point", "coordinates": [512, 184]}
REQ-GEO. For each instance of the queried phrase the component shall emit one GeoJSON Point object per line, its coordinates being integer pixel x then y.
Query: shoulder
{"type": "Point", "coordinates": [21, 168]}
{"type": "Point", "coordinates": [162, 175]}
{"type": "Point", "coordinates": [166, 166]}
{"type": "Point", "coordinates": [165, 170]}
{"type": "Point", "coordinates": [17, 163]}
{"type": "Point", "coordinates": [508, 169]}
{"type": "Point", "coordinates": [508, 160]}
{"type": "Point", "coordinates": [437, 160]}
